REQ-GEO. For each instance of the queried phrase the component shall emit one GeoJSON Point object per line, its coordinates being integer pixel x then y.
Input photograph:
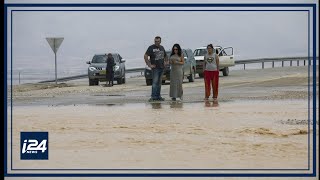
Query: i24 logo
{"type": "Point", "coordinates": [33, 146]}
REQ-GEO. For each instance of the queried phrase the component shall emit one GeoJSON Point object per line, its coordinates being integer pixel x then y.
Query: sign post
{"type": "Point", "coordinates": [55, 44]}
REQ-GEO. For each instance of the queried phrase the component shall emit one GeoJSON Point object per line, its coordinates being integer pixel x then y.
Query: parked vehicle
{"type": "Point", "coordinates": [189, 68]}
{"type": "Point", "coordinates": [97, 69]}
{"type": "Point", "coordinates": [226, 59]}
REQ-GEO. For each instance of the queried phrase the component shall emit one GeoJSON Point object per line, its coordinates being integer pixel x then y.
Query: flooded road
{"type": "Point", "coordinates": [177, 135]}
{"type": "Point", "coordinates": [260, 122]}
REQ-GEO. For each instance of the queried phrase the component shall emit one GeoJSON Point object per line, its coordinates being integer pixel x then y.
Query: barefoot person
{"type": "Point", "coordinates": [176, 74]}
{"type": "Point", "coordinates": [211, 73]}
{"type": "Point", "coordinates": [158, 59]}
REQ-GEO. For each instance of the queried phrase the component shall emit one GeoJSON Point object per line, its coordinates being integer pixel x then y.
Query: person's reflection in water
{"type": "Point", "coordinates": [215, 103]}
{"type": "Point", "coordinates": [176, 104]}
{"type": "Point", "coordinates": [156, 105]}
{"type": "Point", "coordinates": [211, 104]}
{"type": "Point", "coordinates": [207, 103]}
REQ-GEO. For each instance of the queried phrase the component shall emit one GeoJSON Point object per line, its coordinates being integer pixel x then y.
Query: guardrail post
{"type": "Point", "coordinates": [290, 62]}
{"type": "Point", "coordinates": [298, 63]}
{"type": "Point", "coordinates": [262, 65]}
{"type": "Point", "coordinates": [272, 64]}
{"type": "Point", "coordinates": [282, 62]}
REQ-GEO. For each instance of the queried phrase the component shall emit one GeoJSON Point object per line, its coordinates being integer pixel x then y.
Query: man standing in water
{"type": "Point", "coordinates": [158, 60]}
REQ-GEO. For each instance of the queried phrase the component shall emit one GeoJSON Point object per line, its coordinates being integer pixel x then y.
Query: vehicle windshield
{"type": "Point", "coordinates": [200, 52]}
{"type": "Point", "coordinates": [168, 53]}
{"type": "Point", "coordinates": [99, 59]}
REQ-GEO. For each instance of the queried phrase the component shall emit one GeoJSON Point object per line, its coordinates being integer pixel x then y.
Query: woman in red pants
{"type": "Point", "coordinates": [211, 73]}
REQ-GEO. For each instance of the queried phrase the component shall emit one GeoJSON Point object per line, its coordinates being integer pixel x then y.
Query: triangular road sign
{"type": "Point", "coordinates": [55, 43]}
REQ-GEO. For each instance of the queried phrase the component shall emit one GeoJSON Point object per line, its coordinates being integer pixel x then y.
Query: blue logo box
{"type": "Point", "coordinates": [34, 145]}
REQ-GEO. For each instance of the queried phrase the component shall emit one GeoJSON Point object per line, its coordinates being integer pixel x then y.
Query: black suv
{"type": "Point", "coordinates": [189, 68]}
{"type": "Point", "coordinates": [97, 69]}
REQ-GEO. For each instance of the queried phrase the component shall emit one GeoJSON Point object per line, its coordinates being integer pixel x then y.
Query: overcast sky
{"type": "Point", "coordinates": [252, 34]}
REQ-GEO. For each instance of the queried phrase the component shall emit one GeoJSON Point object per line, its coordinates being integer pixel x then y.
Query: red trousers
{"type": "Point", "coordinates": [211, 78]}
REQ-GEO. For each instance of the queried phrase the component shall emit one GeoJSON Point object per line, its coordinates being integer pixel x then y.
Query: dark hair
{"type": "Point", "coordinates": [158, 37]}
{"type": "Point", "coordinates": [179, 49]}
{"type": "Point", "coordinates": [210, 45]}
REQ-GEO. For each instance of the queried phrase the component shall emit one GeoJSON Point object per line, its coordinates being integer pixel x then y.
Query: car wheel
{"type": "Point", "coordinates": [163, 81]}
{"type": "Point", "coordinates": [148, 82]}
{"type": "Point", "coordinates": [201, 75]}
{"type": "Point", "coordinates": [97, 82]}
{"type": "Point", "coordinates": [225, 71]}
{"type": "Point", "coordinates": [124, 77]}
{"type": "Point", "coordinates": [91, 82]}
{"type": "Point", "coordinates": [119, 81]}
{"type": "Point", "coordinates": [191, 76]}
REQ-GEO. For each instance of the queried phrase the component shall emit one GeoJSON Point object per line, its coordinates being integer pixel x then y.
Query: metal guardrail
{"type": "Point", "coordinates": [273, 60]}
{"type": "Point", "coordinates": [244, 62]}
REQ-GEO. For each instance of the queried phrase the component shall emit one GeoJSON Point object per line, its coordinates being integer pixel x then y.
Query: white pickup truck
{"type": "Point", "coordinates": [226, 59]}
